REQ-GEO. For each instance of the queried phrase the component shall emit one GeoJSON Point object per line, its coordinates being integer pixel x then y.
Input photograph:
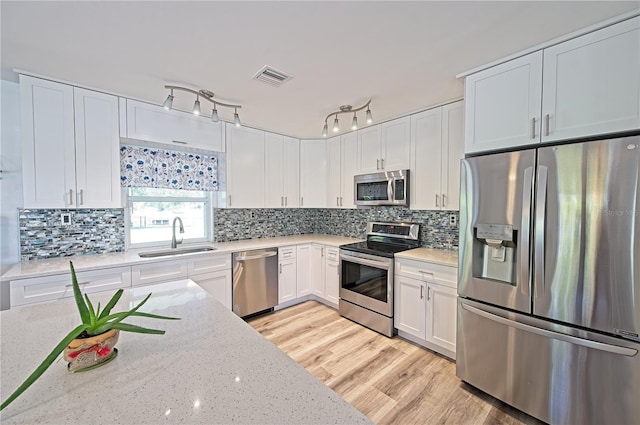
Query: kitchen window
{"type": "Point", "coordinates": [151, 211]}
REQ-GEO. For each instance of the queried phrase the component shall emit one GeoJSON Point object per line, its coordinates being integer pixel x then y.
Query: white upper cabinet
{"type": "Point", "coordinates": [586, 86]}
{"type": "Point", "coordinates": [592, 83]}
{"type": "Point", "coordinates": [334, 178]}
{"type": "Point", "coordinates": [348, 168]}
{"type": "Point", "coordinates": [438, 139]}
{"type": "Point", "coordinates": [384, 147]}
{"type": "Point", "coordinates": [70, 155]}
{"type": "Point", "coordinates": [282, 164]}
{"type": "Point", "coordinates": [155, 124]}
{"type": "Point", "coordinates": [313, 173]}
{"type": "Point", "coordinates": [503, 105]}
{"type": "Point", "coordinates": [245, 167]}
{"type": "Point", "coordinates": [97, 149]}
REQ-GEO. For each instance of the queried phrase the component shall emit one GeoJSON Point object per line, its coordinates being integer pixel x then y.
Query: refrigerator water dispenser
{"type": "Point", "coordinates": [495, 247]}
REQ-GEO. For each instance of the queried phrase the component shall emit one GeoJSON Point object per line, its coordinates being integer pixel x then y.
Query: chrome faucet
{"type": "Point", "coordinates": [174, 242]}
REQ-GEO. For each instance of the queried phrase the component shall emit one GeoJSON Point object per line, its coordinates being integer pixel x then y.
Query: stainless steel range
{"type": "Point", "coordinates": [366, 274]}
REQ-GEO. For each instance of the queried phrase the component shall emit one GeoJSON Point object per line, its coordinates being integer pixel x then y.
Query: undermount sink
{"type": "Point", "coordinates": [170, 252]}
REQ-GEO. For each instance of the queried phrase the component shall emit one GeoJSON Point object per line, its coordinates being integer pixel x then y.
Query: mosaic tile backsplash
{"type": "Point", "coordinates": [92, 231]}
{"type": "Point", "coordinates": [237, 224]}
{"type": "Point", "coordinates": [98, 231]}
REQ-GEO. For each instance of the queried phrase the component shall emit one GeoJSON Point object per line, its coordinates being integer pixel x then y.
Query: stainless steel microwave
{"type": "Point", "coordinates": [386, 188]}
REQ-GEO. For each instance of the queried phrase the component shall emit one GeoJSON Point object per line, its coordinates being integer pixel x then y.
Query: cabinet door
{"type": "Point", "coordinates": [48, 288]}
{"type": "Point", "coordinates": [452, 154]}
{"type": "Point", "coordinates": [395, 144]}
{"type": "Point", "coordinates": [441, 316]}
{"type": "Point", "coordinates": [427, 160]}
{"type": "Point", "coordinates": [165, 271]}
{"type": "Point", "coordinates": [245, 167]}
{"type": "Point", "coordinates": [313, 172]}
{"type": "Point", "coordinates": [334, 179]}
{"type": "Point", "coordinates": [303, 270]}
{"type": "Point", "coordinates": [217, 284]}
{"type": "Point", "coordinates": [97, 150]}
{"type": "Point", "coordinates": [48, 144]}
{"type": "Point", "coordinates": [332, 281]}
{"type": "Point", "coordinates": [291, 173]}
{"type": "Point", "coordinates": [317, 270]}
{"type": "Point", "coordinates": [287, 278]}
{"type": "Point", "coordinates": [369, 150]}
{"type": "Point", "coordinates": [409, 305]}
{"type": "Point", "coordinates": [502, 105]}
{"type": "Point", "coordinates": [155, 124]}
{"type": "Point", "coordinates": [274, 170]}
{"type": "Point", "coordinates": [349, 168]}
{"type": "Point", "coordinates": [592, 83]}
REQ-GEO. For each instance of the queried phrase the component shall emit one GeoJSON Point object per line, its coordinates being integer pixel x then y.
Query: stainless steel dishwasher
{"type": "Point", "coordinates": [255, 281]}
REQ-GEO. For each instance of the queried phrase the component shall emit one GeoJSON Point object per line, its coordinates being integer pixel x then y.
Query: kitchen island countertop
{"type": "Point", "coordinates": [209, 367]}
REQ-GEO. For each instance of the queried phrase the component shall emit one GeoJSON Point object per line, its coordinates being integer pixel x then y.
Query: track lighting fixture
{"type": "Point", "coordinates": [343, 110]}
{"type": "Point", "coordinates": [205, 94]}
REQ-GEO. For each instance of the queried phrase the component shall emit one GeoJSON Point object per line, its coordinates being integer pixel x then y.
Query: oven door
{"type": "Point", "coordinates": [367, 280]}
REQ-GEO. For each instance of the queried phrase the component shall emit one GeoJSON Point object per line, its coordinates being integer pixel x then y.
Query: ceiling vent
{"type": "Point", "coordinates": [272, 76]}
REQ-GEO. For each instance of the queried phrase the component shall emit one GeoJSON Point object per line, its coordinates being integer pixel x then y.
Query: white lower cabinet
{"type": "Point", "coordinates": [165, 271]}
{"type": "Point", "coordinates": [332, 275]}
{"type": "Point", "coordinates": [49, 288]}
{"type": "Point", "coordinates": [425, 304]}
{"type": "Point", "coordinates": [303, 270]}
{"type": "Point", "coordinates": [213, 274]}
{"type": "Point", "coordinates": [317, 270]}
{"type": "Point", "coordinates": [287, 274]}
{"type": "Point", "coordinates": [217, 284]}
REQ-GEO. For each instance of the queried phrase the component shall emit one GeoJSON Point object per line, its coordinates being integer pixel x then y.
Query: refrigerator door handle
{"type": "Point", "coordinates": [525, 231]}
{"type": "Point", "coordinates": [541, 204]}
{"type": "Point", "coordinates": [551, 334]}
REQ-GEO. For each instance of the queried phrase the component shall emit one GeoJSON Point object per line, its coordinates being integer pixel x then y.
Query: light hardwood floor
{"type": "Point", "coordinates": [390, 380]}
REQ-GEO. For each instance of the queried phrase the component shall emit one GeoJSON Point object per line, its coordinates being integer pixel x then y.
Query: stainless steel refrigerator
{"type": "Point", "coordinates": [549, 280]}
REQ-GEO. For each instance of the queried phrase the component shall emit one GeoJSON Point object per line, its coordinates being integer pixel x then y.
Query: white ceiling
{"type": "Point", "coordinates": [403, 55]}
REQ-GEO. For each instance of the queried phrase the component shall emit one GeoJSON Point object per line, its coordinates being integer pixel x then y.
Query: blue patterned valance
{"type": "Point", "coordinates": [150, 167]}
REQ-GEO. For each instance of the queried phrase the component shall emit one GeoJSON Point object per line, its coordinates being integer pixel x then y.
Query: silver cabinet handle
{"type": "Point", "coordinates": [282, 201]}
{"type": "Point", "coordinates": [337, 201]}
{"type": "Point", "coordinates": [428, 293]}
{"type": "Point", "coordinates": [229, 200]}
{"type": "Point", "coordinates": [421, 292]}
{"type": "Point", "coordinates": [533, 127]}
{"type": "Point", "coordinates": [541, 204]}
{"type": "Point", "coordinates": [546, 125]}
{"type": "Point", "coordinates": [377, 164]}
{"type": "Point", "coordinates": [437, 199]}
{"type": "Point", "coordinates": [81, 197]}
{"type": "Point", "coordinates": [444, 200]}
{"type": "Point", "coordinates": [322, 252]}
{"type": "Point", "coordinates": [341, 201]}
{"type": "Point", "coordinates": [285, 201]}
{"type": "Point", "coordinates": [301, 201]}
{"type": "Point", "coordinates": [525, 230]}
{"type": "Point", "coordinates": [280, 268]}
{"type": "Point", "coordinates": [382, 163]}
{"type": "Point", "coordinates": [70, 196]}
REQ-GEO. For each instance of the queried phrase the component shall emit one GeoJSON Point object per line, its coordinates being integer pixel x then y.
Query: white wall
{"type": "Point", "coordinates": [10, 179]}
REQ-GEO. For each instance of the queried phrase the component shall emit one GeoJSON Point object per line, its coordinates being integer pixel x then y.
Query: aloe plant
{"type": "Point", "coordinates": [94, 322]}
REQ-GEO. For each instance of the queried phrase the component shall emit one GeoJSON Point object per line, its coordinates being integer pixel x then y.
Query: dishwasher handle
{"type": "Point", "coordinates": [256, 257]}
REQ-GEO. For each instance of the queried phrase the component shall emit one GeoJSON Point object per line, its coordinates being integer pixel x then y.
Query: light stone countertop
{"type": "Point", "coordinates": [36, 268]}
{"type": "Point", "coordinates": [210, 367]}
{"type": "Point", "coordinates": [437, 256]}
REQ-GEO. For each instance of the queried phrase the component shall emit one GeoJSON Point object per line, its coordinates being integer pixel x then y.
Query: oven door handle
{"type": "Point", "coordinates": [357, 260]}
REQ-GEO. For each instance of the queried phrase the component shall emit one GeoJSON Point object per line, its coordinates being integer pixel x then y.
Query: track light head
{"type": "Point", "coordinates": [214, 114]}
{"type": "Point", "coordinates": [325, 130]}
{"type": "Point", "coordinates": [196, 106]}
{"type": "Point", "coordinates": [354, 122]}
{"type": "Point", "coordinates": [236, 118]}
{"type": "Point", "coordinates": [169, 102]}
{"type": "Point", "coordinates": [369, 117]}
{"type": "Point", "coordinates": [336, 126]}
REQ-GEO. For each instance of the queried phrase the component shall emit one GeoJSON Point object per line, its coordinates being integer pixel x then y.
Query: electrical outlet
{"type": "Point", "coordinates": [65, 219]}
{"type": "Point", "coordinates": [452, 220]}
{"type": "Point", "coordinates": [252, 214]}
